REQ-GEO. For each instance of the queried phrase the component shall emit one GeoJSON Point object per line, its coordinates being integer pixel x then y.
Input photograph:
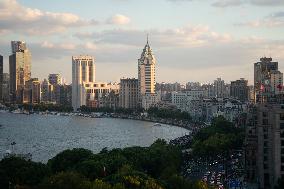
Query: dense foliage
{"type": "Point", "coordinates": [154, 167]}
{"type": "Point", "coordinates": [47, 107]}
{"type": "Point", "coordinates": [168, 113]}
{"type": "Point", "coordinates": [219, 138]}
{"type": "Point", "coordinates": [86, 109]}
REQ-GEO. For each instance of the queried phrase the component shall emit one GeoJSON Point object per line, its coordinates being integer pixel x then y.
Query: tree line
{"type": "Point", "coordinates": [154, 167]}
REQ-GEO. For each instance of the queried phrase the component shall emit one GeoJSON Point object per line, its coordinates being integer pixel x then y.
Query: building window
{"type": "Point", "coordinates": [264, 114]}
{"type": "Point", "coordinates": [265, 136]}
{"type": "Point", "coordinates": [265, 166]}
{"type": "Point", "coordinates": [265, 121]}
{"type": "Point", "coordinates": [265, 144]}
{"type": "Point", "coordinates": [282, 116]}
{"type": "Point", "coordinates": [281, 125]}
{"type": "Point", "coordinates": [264, 158]}
{"type": "Point", "coordinates": [265, 150]}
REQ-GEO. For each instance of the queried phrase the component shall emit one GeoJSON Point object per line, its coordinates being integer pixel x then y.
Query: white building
{"type": "Point", "coordinates": [182, 99]}
{"type": "Point", "coordinates": [83, 75]}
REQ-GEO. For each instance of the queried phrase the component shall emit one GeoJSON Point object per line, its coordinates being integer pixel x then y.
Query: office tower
{"type": "Point", "coordinates": [266, 145]}
{"type": "Point", "coordinates": [219, 88]}
{"type": "Point", "coordinates": [55, 79]}
{"type": "Point", "coordinates": [147, 78]}
{"type": "Point", "coordinates": [276, 82]}
{"type": "Point", "coordinates": [18, 46]}
{"type": "Point", "coordinates": [1, 78]}
{"type": "Point", "coordinates": [239, 90]}
{"type": "Point", "coordinates": [129, 93]}
{"type": "Point", "coordinates": [63, 94]}
{"type": "Point", "coordinates": [6, 87]}
{"type": "Point", "coordinates": [47, 92]}
{"type": "Point", "coordinates": [262, 79]}
{"type": "Point", "coordinates": [83, 76]}
{"type": "Point", "coordinates": [146, 71]}
{"type": "Point", "coordinates": [20, 70]}
{"type": "Point", "coordinates": [32, 91]}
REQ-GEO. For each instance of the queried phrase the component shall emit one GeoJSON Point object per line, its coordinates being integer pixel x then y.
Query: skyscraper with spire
{"type": "Point", "coordinates": [147, 77]}
{"type": "Point", "coordinates": [147, 71]}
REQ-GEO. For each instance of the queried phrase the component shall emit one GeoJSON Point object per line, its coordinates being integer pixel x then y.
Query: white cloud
{"type": "Point", "coordinates": [229, 3]}
{"type": "Point", "coordinates": [17, 18]}
{"type": "Point", "coordinates": [189, 36]}
{"type": "Point", "coordinates": [268, 23]}
{"type": "Point", "coordinates": [91, 46]}
{"type": "Point", "coordinates": [118, 19]}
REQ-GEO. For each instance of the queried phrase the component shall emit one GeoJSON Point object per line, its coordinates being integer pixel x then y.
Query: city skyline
{"type": "Point", "coordinates": [185, 43]}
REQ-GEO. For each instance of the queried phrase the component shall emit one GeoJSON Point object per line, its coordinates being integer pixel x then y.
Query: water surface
{"type": "Point", "coordinates": [44, 136]}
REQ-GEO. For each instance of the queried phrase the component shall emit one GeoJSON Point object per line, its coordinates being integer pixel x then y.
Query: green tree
{"type": "Point", "coordinates": [68, 159]}
{"type": "Point", "coordinates": [18, 171]}
{"type": "Point", "coordinates": [66, 180]}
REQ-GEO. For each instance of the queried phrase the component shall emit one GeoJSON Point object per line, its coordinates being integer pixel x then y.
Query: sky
{"type": "Point", "coordinates": [193, 40]}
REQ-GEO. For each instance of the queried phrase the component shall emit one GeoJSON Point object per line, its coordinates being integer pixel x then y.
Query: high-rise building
{"type": "Point", "coordinates": [219, 88]}
{"type": "Point", "coordinates": [262, 79]}
{"type": "Point", "coordinates": [276, 82]}
{"type": "Point", "coordinates": [32, 91]}
{"type": "Point", "coordinates": [147, 71]}
{"type": "Point", "coordinates": [55, 79]}
{"type": "Point", "coordinates": [20, 70]}
{"type": "Point", "coordinates": [239, 90]}
{"type": "Point", "coordinates": [63, 95]}
{"type": "Point", "coordinates": [6, 87]}
{"type": "Point", "coordinates": [1, 78]}
{"type": "Point", "coordinates": [265, 145]}
{"type": "Point", "coordinates": [18, 46]}
{"type": "Point", "coordinates": [129, 93]}
{"type": "Point", "coordinates": [147, 78]}
{"type": "Point", "coordinates": [83, 76]}
{"type": "Point", "coordinates": [47, 92]}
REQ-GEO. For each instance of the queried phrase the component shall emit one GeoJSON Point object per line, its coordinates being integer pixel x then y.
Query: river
{"type": "Point", "coordinates": [44, 136]}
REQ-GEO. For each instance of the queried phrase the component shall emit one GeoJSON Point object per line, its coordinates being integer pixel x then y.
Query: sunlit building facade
{"type": "Point", "coordinates": [147, 78]}
{"type": "Point", "coordinates": [20, 70]}
{"type": "Point", "coordinates": [83, 77]}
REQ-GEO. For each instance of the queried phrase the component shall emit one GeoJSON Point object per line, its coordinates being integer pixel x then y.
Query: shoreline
{"type": "Point", "coordinates": [193, 127]}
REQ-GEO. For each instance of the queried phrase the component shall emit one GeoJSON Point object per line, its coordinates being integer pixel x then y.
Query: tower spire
{"type": "Point", "coordinates": [147, 38]}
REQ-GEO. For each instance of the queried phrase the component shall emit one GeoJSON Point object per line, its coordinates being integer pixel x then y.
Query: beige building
{"type": "Point", "coordinates": [96, 92]}
{"type": "Point", "coordinates": [129, 93]}
{"type": "Point", "coordinates": [147, 71]}
{"type": "Point", "coordinates": [83, 77]}
{"type": "Point", "coordinates": [20, 70]}
{"type": "Point", "coordinates": [147, 78]}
